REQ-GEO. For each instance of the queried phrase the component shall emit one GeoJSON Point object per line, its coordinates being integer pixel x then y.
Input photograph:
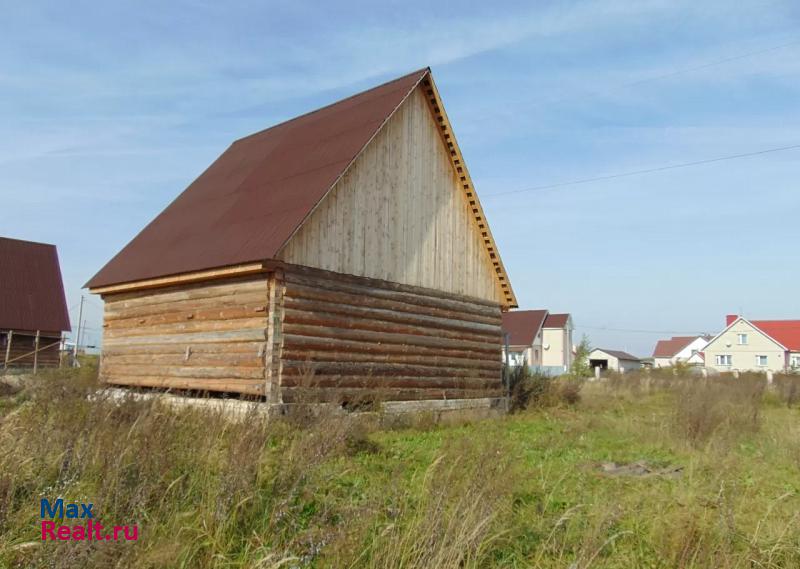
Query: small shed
{"type": "Point", "coordinates": [338, 255]}
{"type": "Point", "coordinates": [614, 360]}
{"type": "Point", "coordinates": [33, 310]}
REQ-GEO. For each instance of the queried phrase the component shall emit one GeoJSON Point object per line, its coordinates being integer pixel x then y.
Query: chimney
{"type": "Point", "coordinates": [730, 319]}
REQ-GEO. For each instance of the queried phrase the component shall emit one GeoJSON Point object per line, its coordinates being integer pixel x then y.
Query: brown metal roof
{"type": "Point", "coordinates": [253, 198]}
{"type": "Point", "coordinates": [556, 321]}
{"type": "Point", "coordinates": [523, 325]}
{"type": "Point", "coordinates": [31, 290]}
{"type": "Point", "coordinates": [669, 348]}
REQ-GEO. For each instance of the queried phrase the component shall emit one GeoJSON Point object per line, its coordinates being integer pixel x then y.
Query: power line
{"type": "Point", "coordinates": [633, 330]}
{"type": "Point", "coordinates": [710, 64]}
{"type": "Point", "coordinates": [713, 63]}
{"type": "Point", "coordinates": [645, 171]}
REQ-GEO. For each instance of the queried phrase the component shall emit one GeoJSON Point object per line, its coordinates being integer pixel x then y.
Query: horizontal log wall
{"type": "Point", "coordinates": [208, 336]}
{"type": "Point", "coordinates": [345, 338]}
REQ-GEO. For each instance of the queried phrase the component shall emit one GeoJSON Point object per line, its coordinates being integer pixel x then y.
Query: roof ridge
{"type": "Point", "coordinates": [27, 241]}
{"type": "Point", "coordinates": [420, 71]}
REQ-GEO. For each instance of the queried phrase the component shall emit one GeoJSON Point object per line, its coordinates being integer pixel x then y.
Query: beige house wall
{"type": "Point", "coordinates": [559, 348]}
{"type": "Point", "coordinates": [743, 357]}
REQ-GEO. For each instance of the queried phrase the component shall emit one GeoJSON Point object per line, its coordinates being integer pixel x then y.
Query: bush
{"type": "Point", "coordinates": [533, 389]}
{"type": "Point", "coordinates": [526, 388]}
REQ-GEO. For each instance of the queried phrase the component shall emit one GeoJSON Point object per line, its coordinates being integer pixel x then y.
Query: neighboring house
{"type": "Point", "coordinates": [679, 349]}
{"type": "Point", "coordinates": [614, 360]}
{"type": "Point", "coordinates": [522, 330]}
{"type": "Point", "coordinates": [342, 256]}
{"type": "Point", "coordinates": [557, 343]}
{"type": "Point", "coordinates": [33, 310]}
{"type": "Point", "coordinates": [540, 340]}
{"type": "Point", "coordinates": [755, 345]}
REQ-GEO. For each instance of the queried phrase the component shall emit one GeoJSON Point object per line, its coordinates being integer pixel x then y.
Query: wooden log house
{"type": "Point", "coordinates": [338, 255]}
{"type": "Point", "coordinates": [33, 310]}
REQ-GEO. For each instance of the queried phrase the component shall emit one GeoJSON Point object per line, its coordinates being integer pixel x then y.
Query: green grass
{"type": "Point", "coordinates": [521, 491]}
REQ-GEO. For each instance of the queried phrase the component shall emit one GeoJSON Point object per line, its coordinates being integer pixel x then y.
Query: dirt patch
{"type": "Point", "coordinates": [640, 468]}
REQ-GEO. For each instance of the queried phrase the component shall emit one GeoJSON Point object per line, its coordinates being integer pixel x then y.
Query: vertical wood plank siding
{"type": "Point", "coordinates": [348, 338]}
{"type": "Point", "coordinates": [399, 215]}
{"type": "Point", "coordinates": [208, 336]}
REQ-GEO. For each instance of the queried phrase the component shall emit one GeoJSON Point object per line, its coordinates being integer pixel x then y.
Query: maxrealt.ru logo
{"type": "Point", "coordinates": [88, 530]}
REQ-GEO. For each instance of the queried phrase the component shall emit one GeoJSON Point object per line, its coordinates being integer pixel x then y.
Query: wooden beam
{"type": "Point", "coordinates": [9, 337]}
{"type": "Point", "coordinates": [36, 353]}
{"type": "Point", "coordinates": [219, 273]}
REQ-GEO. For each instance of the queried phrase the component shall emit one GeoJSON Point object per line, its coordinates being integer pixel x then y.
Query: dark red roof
{"type": "Point", "coordinates": [31, 289]}
{"type": "Point", "coordinates": [251, 200]}
{"type": "Point", "coordinates": [668, 348]}
{"type": "Point", "coordinates": [556, 321]}
{"type": "Point", "coordinates": [523, 325]}
{"type": "Point", "coordinates": [786, 332]}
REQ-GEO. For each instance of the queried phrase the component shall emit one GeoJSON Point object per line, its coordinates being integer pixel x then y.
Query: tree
{"type": "Point", "coordinates": [580, 365]}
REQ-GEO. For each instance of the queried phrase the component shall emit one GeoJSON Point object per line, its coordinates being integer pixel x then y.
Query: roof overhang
{"type": "Point", "coordinates": [185, 278]}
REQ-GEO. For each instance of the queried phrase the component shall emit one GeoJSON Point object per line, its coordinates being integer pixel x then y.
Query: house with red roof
{"type": "Point", "coordinates": [755, 345]}
{"type": "Point", "coordinates": [679, 349]}
{"type": "Point", "coordinates": [522, 334]}
{"type": "Point", "coordinates": [539, 339]}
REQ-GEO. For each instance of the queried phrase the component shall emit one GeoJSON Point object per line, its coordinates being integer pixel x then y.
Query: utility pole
{"type": "Point", "coordinates": [78, 335]}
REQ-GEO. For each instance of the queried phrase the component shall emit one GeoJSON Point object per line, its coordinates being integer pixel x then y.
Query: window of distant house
{"type": "Point", "coordinates": [724, 360]}
{"type": "Point", "coordinates": [742, 339]}
{"type": "Point", "coordinates": [795, 361]}
{"type": "Point", "coordinates": [761, 361]}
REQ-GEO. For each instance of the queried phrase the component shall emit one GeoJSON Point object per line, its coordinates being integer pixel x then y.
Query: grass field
{"type": "Point", "coordinates": [715, 482]}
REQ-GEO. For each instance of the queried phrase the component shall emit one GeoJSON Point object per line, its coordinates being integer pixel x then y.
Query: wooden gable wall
{"type": "Point", "coordinates": [398, 215]}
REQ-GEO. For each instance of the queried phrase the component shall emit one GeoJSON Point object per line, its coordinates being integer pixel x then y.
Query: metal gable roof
{"type": "Point", "coordinates": [522, 326]}
{"type": "Point", "coordinates": [31, 289]}
{"type": "Point", "coordinates": [248, 204]}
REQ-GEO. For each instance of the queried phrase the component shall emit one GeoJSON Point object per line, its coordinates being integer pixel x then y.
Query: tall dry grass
{"type": "Point", "coordinates": [209, 491]}
{"type": "Point", "coordinates": [327, 490]}
{"type": "Point", "coordinates": [714, 405]}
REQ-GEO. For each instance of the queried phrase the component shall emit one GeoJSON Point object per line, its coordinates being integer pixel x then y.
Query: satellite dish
{"type": "Point", "coordinates": [546, 347]}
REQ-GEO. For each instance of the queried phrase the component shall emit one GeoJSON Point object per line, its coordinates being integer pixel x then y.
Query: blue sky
{"type": "Point", "coordinates": [108, 111]}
